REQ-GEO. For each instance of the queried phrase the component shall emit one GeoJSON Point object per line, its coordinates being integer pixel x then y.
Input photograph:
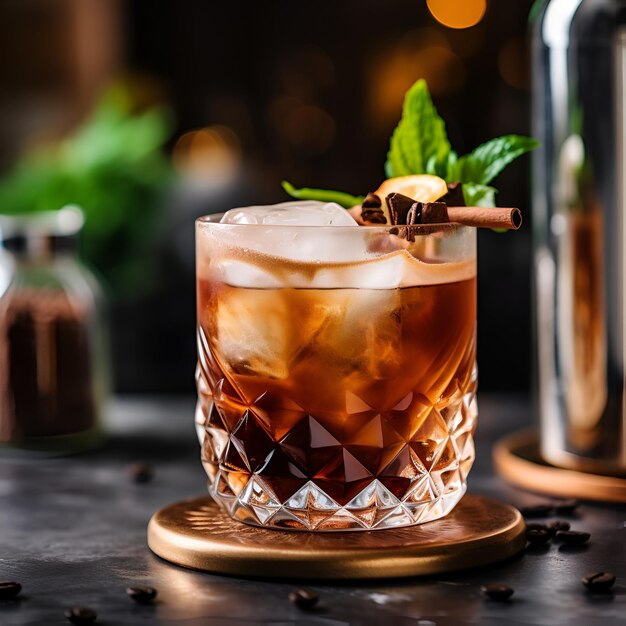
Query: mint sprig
{"type": "Point", "coordinates": [419, 145]}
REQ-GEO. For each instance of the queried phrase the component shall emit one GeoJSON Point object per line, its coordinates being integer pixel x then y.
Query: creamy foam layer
{"type": "Point", "coordinates": [397, 269]}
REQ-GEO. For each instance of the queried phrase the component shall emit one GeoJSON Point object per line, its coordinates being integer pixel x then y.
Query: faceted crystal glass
{"type": "Point", "coordinates": [336, 372]}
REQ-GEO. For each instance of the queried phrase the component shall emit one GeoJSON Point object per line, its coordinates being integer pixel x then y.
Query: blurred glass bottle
{"type": "Point", "coordinates": [579, 236]}
{"type": "Point", "coordinates": [52, 362]}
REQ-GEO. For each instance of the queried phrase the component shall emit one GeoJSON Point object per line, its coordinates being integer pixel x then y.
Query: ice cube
{"type": "Point", "coordinates": [239, 273]}
{"type": "Point", "coordinates": [283, 230]}
{"type": "Point", "coordinates": [394, 270]}
{"type": "Point", "coordinates": [250, 336]}
{"type": "Point", "coordinates": [262, 332]}
{"type": "Point", "coordinates": [386, 272]}
{"type": "Point", "coordinates": [299, 213]}
{"type": "Point", "coordinates": [374, 324]}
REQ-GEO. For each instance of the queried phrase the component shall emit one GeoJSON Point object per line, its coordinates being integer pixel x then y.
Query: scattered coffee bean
{"type": "Point", "coordinates": [497, 591]}
{"type": "Point", "coordinates": [142, 595]}
{"type": "Point", "coordinates": [538, 510]}
{"type": "Point", "coordinates": [554, 527]}
{"type": "Point", "coordinates": [9, 590]}
{"type": "Point", "coordinates": [140, 472]}
{"type": "Point", "coordinates": [81, 615]}
{"type": "Point", "coordinates": [304, 599]}
{"type": "Point", "coordinates": [598, 581]}
{"type": "Point", "coordinates": [566, 507]}
{"type": "Point", "coordinates": [572, 537]}
{"type": "Point", "coordinates": [538, 536]}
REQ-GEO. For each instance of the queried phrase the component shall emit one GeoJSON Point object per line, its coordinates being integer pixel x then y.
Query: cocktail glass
{"type": "Point", "coordinates": [336, 372]}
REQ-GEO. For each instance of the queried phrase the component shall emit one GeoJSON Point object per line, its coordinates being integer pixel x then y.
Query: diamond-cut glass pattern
{"type": "Point", "coordinates": [271, 463]}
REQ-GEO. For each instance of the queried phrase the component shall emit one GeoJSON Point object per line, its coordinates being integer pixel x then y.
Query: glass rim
{"type": "Point", "coordinates": [212, 219]}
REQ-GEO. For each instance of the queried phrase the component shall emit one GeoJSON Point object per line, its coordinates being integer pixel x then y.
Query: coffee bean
{"type": "Point", "coordinates": [538, 510]}
{"type": "Point", "coordinates": [142, 595]}
{"type": "Point", "coordinates": [554, 527]}
{"type": "Point", "coordinates": [537, 537]}
{"type": "Point", "coordinates": [9, 590]}
{"type": "Point", "coordinates": [497, 591]}
{"type": "Point", "coordinates": [304, 599]}
{"type": "Point", "coordinates": [81, 615]}
{"type": "Point", "coordinates": [140, 472]}
{"type": "Point", "coordinates": [598, 581]}
{"type": "Point", "coordinates": [566, 507]}
{"type": "Point", "coordinates": [572, 537]}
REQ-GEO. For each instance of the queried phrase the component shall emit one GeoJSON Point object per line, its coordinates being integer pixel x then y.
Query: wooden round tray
{"type": "Point", "coordinates": [197, 534]}
{"type": "Point", "coordinates": [517, 459]}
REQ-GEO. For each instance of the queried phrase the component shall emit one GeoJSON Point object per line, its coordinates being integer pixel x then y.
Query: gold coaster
{"type": "Point", "coordinates": [197, 534]}
{"type": "Point", "coordinates": [517, 459]}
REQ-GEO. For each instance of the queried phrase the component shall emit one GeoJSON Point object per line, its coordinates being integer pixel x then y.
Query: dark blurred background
{"type": "Point", "coordinates": [218, 102]}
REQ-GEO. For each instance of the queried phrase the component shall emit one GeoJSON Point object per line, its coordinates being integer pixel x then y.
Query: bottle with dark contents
{"type": "Point", "coordinates": [52, 363]}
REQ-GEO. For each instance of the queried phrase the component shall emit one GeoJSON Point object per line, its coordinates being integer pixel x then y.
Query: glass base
{"type": "Point", "coordinates": [310, 509]}
{"type": "Point", "coordinates": [419, 481]}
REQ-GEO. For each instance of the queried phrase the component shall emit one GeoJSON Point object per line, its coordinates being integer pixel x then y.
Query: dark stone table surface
{"type": "Point", "coordinates": [73, 532]}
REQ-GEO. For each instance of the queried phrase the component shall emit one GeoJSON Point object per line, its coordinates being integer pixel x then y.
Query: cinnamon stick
{"type": "Point", "coordinates": [405, 210]}
{"type": "Point", "coordinates": [497, 217]}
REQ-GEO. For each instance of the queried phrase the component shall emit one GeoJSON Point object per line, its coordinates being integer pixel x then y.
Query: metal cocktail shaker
{"type": "Point", "coordinates": [579, 231]}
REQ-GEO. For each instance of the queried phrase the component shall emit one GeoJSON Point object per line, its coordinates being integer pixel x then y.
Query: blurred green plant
{"type": "Point", "coordinates": [113, 167]}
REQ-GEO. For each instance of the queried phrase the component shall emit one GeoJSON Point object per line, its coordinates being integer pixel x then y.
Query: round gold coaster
{"type": "Point", "coordinates": [197, 534]}
{"type": "Point", "coordinates": [517, 459]}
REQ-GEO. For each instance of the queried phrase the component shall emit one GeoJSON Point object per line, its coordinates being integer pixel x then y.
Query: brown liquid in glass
{"type": "Point", "coordinates": [330, 385]}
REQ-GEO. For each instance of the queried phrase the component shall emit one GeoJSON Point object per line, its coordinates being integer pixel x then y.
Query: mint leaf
{"type": "Point", "coordinates": [451, 167]}
{"type": "Point", "coordinates": [431, 165]}
{"type": "Point", "coordinates": [323, 195]}
{"type": "Point", "coordinates": [486, 161]}
{"type": "Point", "coordinates": [479, 195]}
{"type": "Point", "coordinates": [419, 143]}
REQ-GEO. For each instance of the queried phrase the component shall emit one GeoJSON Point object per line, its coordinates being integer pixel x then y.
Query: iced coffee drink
{"type": "Point", "coordinates": [336, 371]}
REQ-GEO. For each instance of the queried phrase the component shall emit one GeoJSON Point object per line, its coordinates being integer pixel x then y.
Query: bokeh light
{"type": "Point", "coordinates": [457, 13]}
{"type": "Point", "coordinates": [308, 129]}
{"type": "Point", "coordinates": [421, 53]}
{"type": "Point", "coordinates": [467, 42]}
{"type": "Point", "coordinates": [304, 73]}
{"type": "Point", "coordinates": [513, 63]}
{"type": "Point", "coordinates": [210, 156]}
